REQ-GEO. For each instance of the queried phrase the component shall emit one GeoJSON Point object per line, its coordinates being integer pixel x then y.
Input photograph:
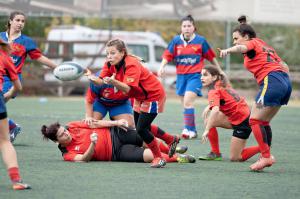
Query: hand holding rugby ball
{"type": "Point", "coordinates": [68, 71]}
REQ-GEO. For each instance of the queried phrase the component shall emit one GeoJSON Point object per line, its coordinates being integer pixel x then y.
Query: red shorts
{"type": "Point", "coordinates": [149, 106]}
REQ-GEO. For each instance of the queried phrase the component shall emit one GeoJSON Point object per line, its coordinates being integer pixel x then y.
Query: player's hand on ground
{"type": "Point", "coordinates": [204, 138]}
{"type": "Point", "coordinates": [223, 52]}
{"type": "Point", "coordinates": [94, 137]}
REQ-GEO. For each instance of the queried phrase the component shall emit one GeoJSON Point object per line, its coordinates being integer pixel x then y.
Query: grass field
{"type": "Point", "coordinates": [50, 177]}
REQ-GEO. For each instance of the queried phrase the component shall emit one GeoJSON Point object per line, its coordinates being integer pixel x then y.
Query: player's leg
{"type": "Point", "coordinates": [192, 91]}
{"type": "Point", "coordinates": [222, 121]}
{"type": "Point", "coordinates": [14, 128]}
{"type": "Point", "coordinates": [123, 111]}
{"type": "Point", "coordinates": [9, 156]}
{"type": "Point", "coordinates": [99, 110]}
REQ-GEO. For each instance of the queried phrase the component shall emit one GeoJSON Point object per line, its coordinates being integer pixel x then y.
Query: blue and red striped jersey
{"type": "Point", "coordinates": [189, 56]}
{"type": "Point", "coordinates": [21, 47]}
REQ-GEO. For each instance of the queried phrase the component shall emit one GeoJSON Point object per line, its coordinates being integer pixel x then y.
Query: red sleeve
{"type": "Point", "coordinates": [132, 75]}
{"type": "Point", "coordinates": [10, 67]}
{"type": "Point", "coordinates": [105, 72]}
{"type": "Point", "coordinates": [209, 55]}
{"type": "Point", "coordinates": [167, 55]}
{"type": "Point", "coordinates": [90, 96]}
{"type": "Point", "coordinates": [213, 98]}
{"type": "Point", "coordinates": [77, 124]}
{"type": "Point", "coordinates": [251, 44]}
{"type": "Point", "coordinates": [69, 156]}
{"type": "Point", "coordinates": [35, 54]}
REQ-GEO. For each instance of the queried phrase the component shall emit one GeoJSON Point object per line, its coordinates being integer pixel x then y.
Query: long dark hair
{"type": "Point", "coordinates": [50, 132]}
{"type": "Point", "coordinates": [244, 28]}
{"type": "Point", "coordinates": [11, 17]}
{"type": "Point", "coordinates": [214, 71]}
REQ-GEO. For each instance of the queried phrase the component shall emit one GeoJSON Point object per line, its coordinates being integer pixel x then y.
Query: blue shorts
{"type": "Point", "coordinates": [188, 82]}
{"type": "Point", "coordinates": [3, 112]}
{"type": "Point", "coordinates": [124, 108]}
{"type": "Point", "coordinates": [7, 84]}
{"type": "Point", "coordinates": [275, 90]}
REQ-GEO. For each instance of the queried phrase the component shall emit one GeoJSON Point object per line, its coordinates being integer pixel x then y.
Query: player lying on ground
{"type": "Point", "coordinates": [103, 141]}
{"type": "Point", "coordinates": [228, 110]}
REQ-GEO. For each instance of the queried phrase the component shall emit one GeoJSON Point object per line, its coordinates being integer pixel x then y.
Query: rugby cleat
{"type": "Point", "coordinates": [212, 156]}
{"type": "Point", "coordinates": [14, 132]}
{"type": "Point", "coordinates": [158, 162]}
{"type": "Point", "coordinates": [185, 158]}
{"type": "Point", "coordinates": [262, 162]}
{"type": "Point", "coordinates": [20, 186]}
{"type": "Point", "coordinates": [173, 145]}
{"type": "Point", "coordinates": [181, 149]}
{"type": "Point", "coordinates": [186, 134]}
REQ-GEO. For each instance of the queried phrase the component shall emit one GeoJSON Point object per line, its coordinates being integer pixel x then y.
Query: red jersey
{"type": "Point", "coordinates": [144, 84]}
{"type": "Point", "coordinates": [229, 102]}
{"type": "Point", "coordinates": [81, 141]}
{"type": "Point", "coordinates": [261, 59]}
{"type": "Point", "coordinates": [6, 67]}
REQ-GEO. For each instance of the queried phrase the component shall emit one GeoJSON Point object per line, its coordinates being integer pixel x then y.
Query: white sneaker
{"type": "Point", "coordinates": [185, 134]}
{"type": "Point", "coordinates": [192, 135]}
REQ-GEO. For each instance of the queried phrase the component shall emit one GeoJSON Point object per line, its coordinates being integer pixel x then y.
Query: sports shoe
{"type": "Point", "coordinates": [181, 149]}
{"type": "Point", "coordinates": [262, 162]}
{"type": "Point", "coordinates": [14, 132]}
{"type": "Point", "coordinates": [184, 158]}
{"type": "Point", "coordinates": [20, 186]}
{"type": "Point", "coordinates": [173, 145]}
{"type": "Point", "coordinates": [212, 156]}
{"type": "Point", "coordinates": [158, 162]}
{"type": "Point", "coordinates": [186, 134]}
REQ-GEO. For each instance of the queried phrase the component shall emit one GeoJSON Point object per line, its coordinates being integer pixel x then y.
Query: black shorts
{"type": "Point", "coordinates": [242, 130]}
{"type": "Point", "coordinates": [126, 145]}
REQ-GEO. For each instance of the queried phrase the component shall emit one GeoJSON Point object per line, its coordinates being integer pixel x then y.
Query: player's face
{"type": "Point", "coordinates": [63, 136]}
{"type": "Point", "coordinates": [187, 29]}
{"type": "Point", "coordinates": [18, 22]}
{"type": "Point", "coordinates": [238, 39]}
{"type": "Point", "coordinates": [113, 56]}
{"type": "Point", "coordinates": [206, 78]}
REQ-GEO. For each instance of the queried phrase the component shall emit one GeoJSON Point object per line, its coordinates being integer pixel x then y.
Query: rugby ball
{"type": "Point", "coordinates": [68, 71]}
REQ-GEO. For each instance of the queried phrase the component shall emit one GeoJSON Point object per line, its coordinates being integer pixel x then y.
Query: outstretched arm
{"type": "Point", "coordinates": [45, 60]}
{"type": "Point", "coordinates": [233, 49]}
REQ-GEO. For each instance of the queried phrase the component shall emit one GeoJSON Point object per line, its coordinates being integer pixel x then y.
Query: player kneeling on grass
{"type": "Point", "coordinates": [103, 141]}
{"type": "Point", "coordinates": [228, 110]}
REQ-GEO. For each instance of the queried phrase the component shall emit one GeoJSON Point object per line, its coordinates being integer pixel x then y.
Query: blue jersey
{"type": "Point", "coordinates": [21, 47]}
{"type": "Point", "coordinates": [189, 56]}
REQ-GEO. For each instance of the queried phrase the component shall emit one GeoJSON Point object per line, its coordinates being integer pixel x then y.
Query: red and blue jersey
{"type": "Point", "coordinates": [6, 68]}
{"type": "Point", "coordinates": [189, 56]}
{"type": "Point", "coordinates": [106, 94]}
{"type": "Point", "coordinates": [21, 47]}
{"type": "Point", "coordinates": [261, 59]}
